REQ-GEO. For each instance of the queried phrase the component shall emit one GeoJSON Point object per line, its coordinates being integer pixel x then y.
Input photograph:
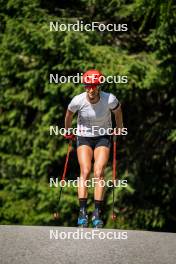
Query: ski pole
{"type": "Point", "coordinates": [114, 173]}
{"type": "Point", "coordinates": [56, 214]}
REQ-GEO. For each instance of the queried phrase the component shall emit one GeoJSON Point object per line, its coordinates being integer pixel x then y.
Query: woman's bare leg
{"type": "Point", "coordinates": [101, 156]}
{"type": "Point", "coordinates": [85, 154]}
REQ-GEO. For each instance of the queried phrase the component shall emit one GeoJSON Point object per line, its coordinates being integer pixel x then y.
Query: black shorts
{"type": "Point", "coordinates": [94, 142]}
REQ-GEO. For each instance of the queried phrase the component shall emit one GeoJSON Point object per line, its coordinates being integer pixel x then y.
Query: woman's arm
{"type": "Point", "coordinates": [68, 119]}
{"type": "Point", "coordinates": [118, 117]}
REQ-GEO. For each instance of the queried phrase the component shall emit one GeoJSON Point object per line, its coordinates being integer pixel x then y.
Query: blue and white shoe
{"type": "Point", "coordinates": [96, 219]}
{"type": "Point", "coordinates": [83, 218]}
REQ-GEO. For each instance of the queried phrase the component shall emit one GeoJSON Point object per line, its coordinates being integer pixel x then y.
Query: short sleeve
{"type": "Point", "coordinates": [113, 102]}
{"type": "Point", "coordinates": [74, 104]}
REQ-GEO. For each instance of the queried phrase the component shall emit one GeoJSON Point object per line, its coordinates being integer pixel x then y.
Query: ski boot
{"type": "Point", "coordinates": [83, 218]}
{"type": "Point", "coordinates": [96, 219]}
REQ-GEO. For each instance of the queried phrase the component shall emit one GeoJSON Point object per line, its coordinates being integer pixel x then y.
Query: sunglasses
{"type": "Point", "coordinates": [90, 86]}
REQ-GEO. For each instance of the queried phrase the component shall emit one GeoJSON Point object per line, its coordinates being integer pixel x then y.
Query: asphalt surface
{"type": "Point", "coordinates": [62, 245]}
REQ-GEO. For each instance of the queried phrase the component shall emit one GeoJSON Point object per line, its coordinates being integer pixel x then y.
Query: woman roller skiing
{"type": "Point", "coordinates": [94, 109]}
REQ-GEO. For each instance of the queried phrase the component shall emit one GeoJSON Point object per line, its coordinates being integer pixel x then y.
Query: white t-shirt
{"type": "Point", "coordinates": [93, 119]}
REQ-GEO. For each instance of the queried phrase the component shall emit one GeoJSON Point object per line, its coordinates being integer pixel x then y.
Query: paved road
{"type": "Point", "coordinates": [51, 245]}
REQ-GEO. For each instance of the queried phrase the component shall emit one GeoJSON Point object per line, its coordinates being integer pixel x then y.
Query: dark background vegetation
{"type": "Point", "coordinates": [29, 156]}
